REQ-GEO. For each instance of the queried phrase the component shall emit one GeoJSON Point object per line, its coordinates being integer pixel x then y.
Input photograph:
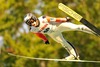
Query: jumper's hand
{"type": "Point", "coordinates": [47, 42]}
{"type": "Point", "coordinates": [68, 19]}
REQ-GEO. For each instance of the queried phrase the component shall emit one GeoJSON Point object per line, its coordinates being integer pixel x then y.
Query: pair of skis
{"type": "Point", "coordinates": [78, 17]}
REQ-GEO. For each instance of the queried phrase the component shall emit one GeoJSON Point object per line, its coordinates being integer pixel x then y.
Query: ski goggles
{"type": "Point", "coordinates": [30, 21]}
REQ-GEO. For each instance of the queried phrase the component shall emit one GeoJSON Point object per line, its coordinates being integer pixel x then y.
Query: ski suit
{"type": "Point", "coordinates": [54, 28]}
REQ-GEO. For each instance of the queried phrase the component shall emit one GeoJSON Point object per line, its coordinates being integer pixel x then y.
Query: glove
{"type": "Point", "coordinates": [68, 19]}
{"type": "Point", "coordinates": [47, 42]}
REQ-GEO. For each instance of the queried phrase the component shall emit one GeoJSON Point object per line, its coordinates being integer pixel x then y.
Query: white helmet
{"type": "Point", "coordinates": [28, 17]}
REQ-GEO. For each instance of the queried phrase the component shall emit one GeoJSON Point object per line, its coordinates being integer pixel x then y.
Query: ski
{"type": "Point", "coordinates": [48, 59]}
{"type": "Point", "coordinates": [78, 17]}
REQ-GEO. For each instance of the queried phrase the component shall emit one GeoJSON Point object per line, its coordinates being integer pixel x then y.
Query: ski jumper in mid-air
{"type": "Point", "coordinates": [54, 28]}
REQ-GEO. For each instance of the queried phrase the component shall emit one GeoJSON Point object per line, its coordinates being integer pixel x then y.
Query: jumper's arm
{"type": "Point", "coordinates": [42, 36]}
{"type": "Point", "coordinates": [58, 20]}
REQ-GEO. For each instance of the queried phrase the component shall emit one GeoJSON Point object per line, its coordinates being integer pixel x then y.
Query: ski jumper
{"type": "Point", "coordinates": [54, 28]}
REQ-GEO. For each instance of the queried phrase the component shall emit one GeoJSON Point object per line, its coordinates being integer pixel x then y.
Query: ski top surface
{"type": "Point", "coordinates": [48, 59]}
{"type": "Point", "coordinates": [78, 17]}
{"type": "Point", "coordinates": [69, 11]}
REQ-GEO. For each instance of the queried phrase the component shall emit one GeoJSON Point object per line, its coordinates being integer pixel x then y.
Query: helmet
{"type": "Point", "coordinates": [29, 17]}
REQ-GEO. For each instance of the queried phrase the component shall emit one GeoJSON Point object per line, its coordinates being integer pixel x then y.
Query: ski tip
{"type": "Point", "coordinates": [60, 5]}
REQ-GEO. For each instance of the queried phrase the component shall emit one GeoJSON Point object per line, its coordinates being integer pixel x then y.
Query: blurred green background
{"type": "Point", "coordinates": [15, 36]}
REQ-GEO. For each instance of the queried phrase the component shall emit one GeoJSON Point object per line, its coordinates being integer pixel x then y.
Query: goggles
{"type": "Point", "coordinates": [31, 20]}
